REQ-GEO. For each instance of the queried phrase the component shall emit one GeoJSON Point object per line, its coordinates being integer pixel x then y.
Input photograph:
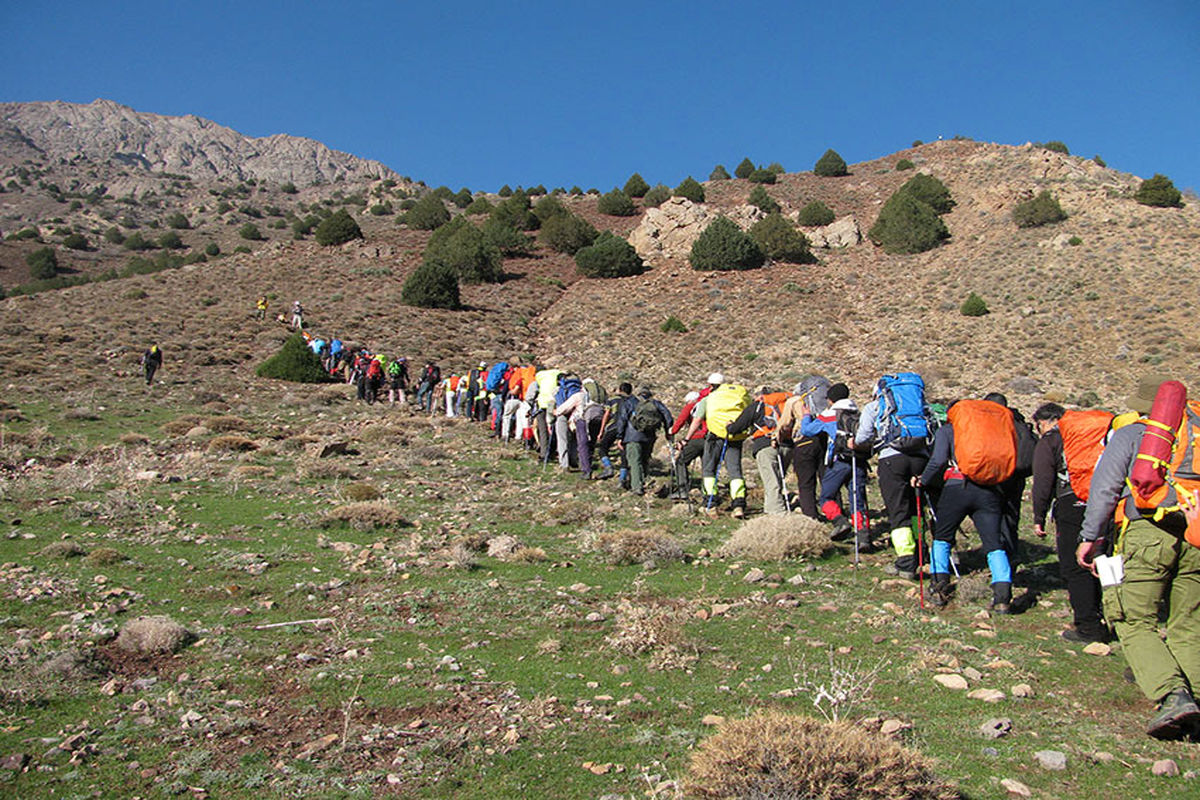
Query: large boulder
{"type": "Point", "coordinates": [842, 232]}
{"type": "Point", "coordinates": [668, 232]}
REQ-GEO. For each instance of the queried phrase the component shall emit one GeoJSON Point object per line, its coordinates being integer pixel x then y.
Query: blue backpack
{"type": "Point", "coordinates": [903, 420]}
{"type": "Point", "coordinates": [568, 386]}
{"type": "Point", "coordinates": [495, 376]}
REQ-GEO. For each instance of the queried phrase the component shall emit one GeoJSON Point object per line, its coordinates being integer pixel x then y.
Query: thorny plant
{"type": "Point", "coordinates": [837, 693]}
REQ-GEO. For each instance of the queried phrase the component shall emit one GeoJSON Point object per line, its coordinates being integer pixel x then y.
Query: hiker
{"type": "Point", "coordinates": [397, 370]}
{"type": "Point", "coordinates": [260, 308]}
{"type": "Point", "coordinates": [496, 385]}
{"type": "Point", "coordinates": [770, 454]}
{"type": "Point", "coordinates": [1013, 489]}
{"type": "Point", "coordinates": [515, 420]}
{"type": "Point", "coordinates": [431, 376]}
{"type": "Point", "coordinates": [577, 408]}
{"type": "Point", "coordinates": [1052, 490]}
{"type": "Point", "coordinates": [540, 396]}
{"type": "Point", "coordinates": [638, 419]}
{"type": "Point", "coordinates": [609, 434]}
{"type": "Point", "coordinates": [845, 467]}
{"type": "Point", "coordinates": [568, 384]}
{"type": "Point", "coordinates": [152, 361]}
{"type": "Point", "coordinates": [692, 447]}
{"type": "Point", "coordinates": [1161, 563]}
{"type": "Point", "coordinates": [895, 425]}
{"type": "Point", "coordinates": [373, 378]}
{"type": "Point", "coordinates": [808, 453]}
{"type": "Point", "coordinates": [722, 406]}
{"type": "Point", "coordinates": [335, 355]}
{"type": "Point", "coordinates": [297, 316]}
{"type": "Point", "coordinates": [973, 453]}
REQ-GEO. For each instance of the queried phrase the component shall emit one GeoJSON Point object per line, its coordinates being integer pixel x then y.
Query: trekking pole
{"type": "Point", "coordinates": [920, 548]}
{"type": "Point", "coordinates": [787, 502]}
{"type": "Point", "coordinates": [854, 502]}
{"type": "Point", "coordinates": [953, 566]}
{"type": "Point", "coordinates": [685, 488]}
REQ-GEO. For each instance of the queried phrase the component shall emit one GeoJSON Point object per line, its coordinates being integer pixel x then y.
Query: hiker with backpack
{"type": "Point", "coordinates": [496, 385]}
{"type": "Point", "coordinates": [609, 433]}
{"type": "Point", "coordinates": [896, 426]}
{"type": "Point", "coordinates": [568, 385]}
{"type": "Point", "coordinates": [1148, 480]}
{"type": "Point", "coordinates": [297, 316]}
{"type": "Point", "coordinates": [1013, 489]}
{"type": "Point", "coordinates": [845, 467]}
{"type": "Point", "coordinates": [540, 396]}
{"type": "Point", "coordinates": [431, 377]}
{"type": "Point", "coordinates": [1053, 495]}
{"type": "Point", "coordinates": [639, 418]}
{"type": "Point", "coordinates": [397, 370]}
{"type": "Point", "coordinates": [770, 455]}
{"type": "Point", "coordinates": [692, 447]}
{"type": "Point", "coordinates": [152, 361]}
{"type": "Point", "coordinates": [808, 453]}
{"type": "Point", "coordinates": [973, 454]}
{"type": "Point", "coordinates": [720, 408]}
{"type": "Point", "coordinates": [579, 410]}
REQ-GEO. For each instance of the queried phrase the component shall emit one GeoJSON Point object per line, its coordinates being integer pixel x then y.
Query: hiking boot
{"type": "Point", "coordinates": [841, 528]}
{"type": "Point", "coordinates": [1177, 713]}
{"type": "Point", "coordinates": [710, 511]}
{"type": "Point", "coordinates": [1001, 608]}
{"type": "Point", "coordinates": [892, 569]}
{"type": "Point", "coordinates": [605, 474]}
{"type": "Point", "coordinates": [1079, 637]}
{"type": "Point", "coordinates": [939, 593]}
{"type": "Point", "coordinates": [738, 512]}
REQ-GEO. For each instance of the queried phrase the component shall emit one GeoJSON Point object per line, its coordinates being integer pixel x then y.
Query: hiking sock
{"type": "Point", "coordinates": [940, 560]}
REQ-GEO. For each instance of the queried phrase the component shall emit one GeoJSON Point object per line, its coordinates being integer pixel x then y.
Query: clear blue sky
{"type": "Point", "coordinates": [566, 93]}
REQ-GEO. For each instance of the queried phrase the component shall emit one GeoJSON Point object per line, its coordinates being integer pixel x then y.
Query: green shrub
{"type": "Point", "coordinates": [973, 306]}
{"type": "Point", "coordinates": [760, 199]}
{"type": "Point", "coordinates": [431, 285]}
{"type": "Point", "coordinates": [178, 221]}
{"type": "Point", "coordinates": [745, 169]}
{"type": "Point", "coordinates": [466, 251]}
{"type": "Point", "coordinates": [170, 241]}
{"type": "Point", "coordinates": [478, 207]}
{"type": "Point", "coordinates": [609, 256]}
{"type": "Point", "coordinates": [444, 194]}
{"type": "Point", "coordinates": [464, 198]}
{"type": "Point", "coordinates": [339, 228]}
{"type": "Point", "coordinates": [241, 248]}
{"type": "Point", "coordinates": [672, 325]}
{"type": "Point", "coordinates": [43, 264]}
{"type": "Point", "coordinates": [930, 191]}
{"type": "Point", "coordinates": [408, 204]}
{"type": "Point", "coordinates": [1057, 147]}
{"type": "Point", "coordinates": [288, 188]}
{"type": "Point", "coordinates": [510, 241]}
{"type": "Point", "coordinates": [1041, 210]}
{"type": "Point", "coordinates": [831, 165]}
{"type": "Point", "coordinates": [636, 186]}
{"type": "Point", "coordinates": [616, 204]}
{"type": "Point", "coordinates": [906, 225]}
{"type": "Point", "coordinates": [428, 214]}
{"type": "Point", "coordinates": [505, 191]}
{"type": "Point", "coordinates": [725, 246]}
{"type": "Point", "coordinates": [516, 213]}
{"type": "Point", "coordinates": [719, 173]}
{"type": "Point", "coordinates": [780, 240]}
{"type": "Point", "coordinates": [295, 361]}
{"type": "Point", "coordinates": [1098, 161]}
{"type": "Point", "coordinates": [250, 232]}
{"type": "Point", "coordinates": [656, 196]}
{"type": "Point", "coordinates": [576, 191]}
{"type": "Point", "coordinates": [212, 249]}
{"type": "Point", "coordinates": [137, 242]}
{"type": "Point", "coordinates": [548, 207]}
{"type": "Point", "coordinates": [381, 209]}
{"type": "Point", "coordinates": [775, 168]}
{"type": "Point", "coordinates": [567, 233]}
{"type": "Point", "coordinates": [904, 164]}
{"type": "Point", "coordinates": [762, 176]}
{"type": "Point", "coordinates": [815, 214]}
{"type": "Point", "coordinates": [1159, 191]}
{"type": "Point", "coordinates": [691, 189]}
{"type": "Point", "coordinates": [75, 241]}
{"type": "Point", "coordinates": [114, 236]}
{"type": "Point", "coordinates": [917, 143]}
{"type": "Point", "coordinates": [25, 234]}
{"type": "Point", "coordinates": [1074, 241]}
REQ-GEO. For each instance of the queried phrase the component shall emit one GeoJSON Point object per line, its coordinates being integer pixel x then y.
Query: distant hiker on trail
{"type": "Point", "coordinates": [260, 308]}
{"type": "Point", "coordinates": [335, 355]}
{"type": "Point", "coordinates": [577, 408]}
{"type": "Point", "coordinates": [540, 396]}
{"type": "Point", "coordinates": [692, 447]}
{"type": "Point", "coordinates": [152, 360]}
{"type": "Point", "coordinates": [1052, 490]}
{"type": "Point", "coordinates": [973, 454]}
{"type": "Point", "coordinates": [638, 421]}
{"type": "Point", "coordinates": [514, 421]}
{"type": "Point", "coordinates": [722, 406]}
{"type": "Point", "coordinates": [397, 371]}
{"type": "Point", "coordinates": [845, 467]}
{"type": "Point", "coordinates": [609, 434]}
{"type": "Point", "coordinates": [431, 376]}
{"type": "Point", "coordinates": [770, 454]}
{"type": "Point", "coordinates": [568, 384]}
{"type": "Point", "coordinates": [1147, 477]}
{"type": "Point", "coordinates": [808, 454]}
{"type": "Point", "coordinates": [297, 316]}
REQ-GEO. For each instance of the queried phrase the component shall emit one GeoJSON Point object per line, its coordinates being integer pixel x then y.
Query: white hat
{"type": "Point", "coordinates": [716, 379]}
{"type": "Point", "coordinates": [691, 397]}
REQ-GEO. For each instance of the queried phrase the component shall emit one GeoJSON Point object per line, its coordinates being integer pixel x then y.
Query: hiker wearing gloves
{"type": "Point", "coordinates": [1161, 556]}
{"type": "Point", "coordinates": [973, 454]}
{"type": "Point", "coordinates": [761, 417]}
{"type": "Point", "coordinates": [722, 406]}
{"type": "Point", "coordinates": [638, 419]}
{"type": "Point", "coordinates": [808, 454]}
{"type": "Point", "coordinates": [895, 425]}
{"type": "Point", "coordinates": [693, 446]}
{"type": "Point", "coordinates": [1052, 488]}
{"type": "Point", "coordinates": [844, 467]}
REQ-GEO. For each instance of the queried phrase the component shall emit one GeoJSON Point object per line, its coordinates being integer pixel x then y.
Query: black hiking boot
{"type": "Point", "coordinates": [1002, 598]}
{"type": "Point", "coordinates": [842, 528]}
{"type": "Point", "coordinates": [939, 593]}
{"type": "Point", "coordinates": [1177, 713]}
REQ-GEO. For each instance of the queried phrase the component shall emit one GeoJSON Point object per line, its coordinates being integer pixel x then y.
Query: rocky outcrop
{"type": "Point", "coordinates": [668, 232]}
{"type": "Point", "coordinates": [842, 232]}
{"type": "Point", "coordinates": [105, 132]}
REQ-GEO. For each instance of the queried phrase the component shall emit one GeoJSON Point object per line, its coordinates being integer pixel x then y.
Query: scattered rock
{"type": "Point", "coordinates": [986, 695]}
{"type": "Point", "coordinates": [894, 726]}
{"type": "Point", "coordinates": [14, 761]}
{"type": "Point", "coordinates": [326, 449]}
{"type": "Point", "coordinates": [1021, 690]}
{"type": "Point", "coordinates": [153, 635]}
{"type": "Point", "coordinates": [1051, 759]}
{"type": "Point", "coordinates": [502, 546]}
{"type": "Point", "coordinates": [1015, 788]}
{"type": "Point", "coordinates": [316, 746]}
{"type": "Point", "coordinates": [1165, 768]}
{"type": "Point", "coordinates": [755, 575]}
{"type": "Point", "coordinates": [972, 674]}
{"type": "Point", "coordinates": [712, 719]}
{"type": "Point", "coordinates": [1098, 649]}
{"type": "Point", "coordinates": [996, 727]}
{"type": "Point", "coordinates": [952, 681]}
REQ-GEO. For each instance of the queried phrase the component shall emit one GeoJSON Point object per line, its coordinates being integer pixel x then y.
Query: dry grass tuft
{"type": "Point", "coordinates": [252, 471]}
{"type": "Point", "coordinates": [225, 424]}
{"type": "Point", "coordinates": [366, 516]}
{"type": "Point", "coordinates": [181, 425]}
{"type": "Point", "coordinates": [323, 469]}
{"type": "Point", "coordinates": [775, 756]}
{"type": "Point", "coordinates": [63, 549]}
{"type": "Point", "coordinates": [133, 438]}
{"type": "Point", "coordinates": [230, 444]}
{"type": "Point", "coordinates": [147, 636]}
{"type": "Point", "coordinates": [529, 555]}
{"type": "Point", "coordinates": [639, 547]}
{"type": "Point", "coordinates": [653, 629]}
{"type": "Point", "coordinates": [462, 556]}
{"type": "Point", "coordinates": [502, 546]}
{"type": "Point", "coordinates": [361, 492]}
{"type": "Point", "coordinates": [102, 556]}
{"type": "Point", "coordinates": [776, 537]}
{"type": "Point", "coordinates": [973, 588]}
{"type": "Point", "coordinates": [71, 664]}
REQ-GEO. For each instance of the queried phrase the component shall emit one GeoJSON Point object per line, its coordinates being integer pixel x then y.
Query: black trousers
{"type": "Point", "coordinates": [808, 461]}
{"type": "Point", "coordinates": [1083, 589]}
{"type": "Point", "coordinates": [899, 498]}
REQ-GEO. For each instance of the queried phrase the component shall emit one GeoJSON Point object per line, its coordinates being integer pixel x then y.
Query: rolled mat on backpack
{"type": "Point", "coordinates": [1154, 454]}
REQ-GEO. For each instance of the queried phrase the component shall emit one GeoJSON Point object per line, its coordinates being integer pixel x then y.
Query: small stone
{"type": "Point", "coordinates": [796, 579]}
{"type": "Point", "coordinates": [893, 726]}
{"type": "Point", "coordinates": [754, 576]}
{"type": "Point", "coordinates": [996, 727]}
{"type": "Point", "coordinates": [1165, 768]}
{"type": "Point", "coordinates": [1015, 788]}
{"type": "Point", "coordinates": [702, 614]}
{"type": "Point", "coordinates": [990, 752]}
{"type": "Point", "coordinates": [316, 746]}
{"type": "Point", "coordinates": [721, 608]}
{"type": "Point", "coordinates": [986, 695]}
{"type": "Point", "coordinates": [1098, 649]}
{"type": "Point", "coordinates": [951, 681]}
{"type": "Point", "coordinates": [767, 668]}
{"type": "Point", "coordinates": [1051, 759]}
{"type": "Point", "coordinates": [1021, 690]}
{"type": "Point", "coordinates": [972, 674]}
{"type": "Point", "coordinates": [1102, 757]}
{"type": "Point", "coordinates": [14, 761]}
{"type": "Point", "coordinates": [712, 719]}
{"type": "Point", "coordinates": [595, 616]}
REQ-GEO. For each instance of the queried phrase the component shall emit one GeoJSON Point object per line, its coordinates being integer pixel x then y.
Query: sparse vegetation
{"type": "Point", "coordinates": [973, 306]}
{"type": "Point", "coordinates": [780, 240]}
{"type": "Point", "coordinates": [672, 324]}
{"type": "Point", "coordinates": [1160, 192]}
{"type": "Point", "coordinates": [904, 164]}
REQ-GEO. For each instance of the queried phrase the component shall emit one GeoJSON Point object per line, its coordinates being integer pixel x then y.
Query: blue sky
{"type": "Point", "coordinates": [480, 94]}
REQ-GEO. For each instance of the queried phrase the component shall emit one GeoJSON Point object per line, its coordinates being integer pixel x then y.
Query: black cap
{"type": "Point", "coordinates": [839, 391]}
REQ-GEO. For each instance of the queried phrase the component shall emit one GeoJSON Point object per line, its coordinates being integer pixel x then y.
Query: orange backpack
{"type": "Point", "coordinates": [985, 441]}
{"type": "Point", "coordinates": [1182, 473]}
{"type": "Point", "coordinates": [1083, 435]}
{"type": "Point", "coordinates": [772, 410]}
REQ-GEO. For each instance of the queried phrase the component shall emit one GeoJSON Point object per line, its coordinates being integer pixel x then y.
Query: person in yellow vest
{"type": "Point", "coordinates": [261, 308]}
{"type": "Point", "coordinates": [540, 396]}
{"type": "Point", "coordinates": [722, 406]}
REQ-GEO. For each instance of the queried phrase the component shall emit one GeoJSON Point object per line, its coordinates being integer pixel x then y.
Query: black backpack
{"type": "Point", "coordinates": [847, 426]}
{"type": "Point", "coordinates": [1026, 443]}
{"type": "Point", "coordinates": [645, 418]}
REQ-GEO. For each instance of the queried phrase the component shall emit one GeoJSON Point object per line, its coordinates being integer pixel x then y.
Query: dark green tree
{"type": "Point", "coordinates": [906, 225]}
{"type": "Point", "coordinates": [43, 264]}
{"type": "Point", "coordinates": [510, 241]}
{"type": "Point", "coordinates": [831, 165]}
{"type": "Point", "coordinates": [478, 207]}
{"type": "Point", "coordinates": [762, 176]}
{"type": "Point", "coordinates": [516, 212]}
{"type": "Point", "coordinates": [760, 199]}
{"type": "Point", "coordinates": [547, 207]}
{"type": "Point", "coordinates": [616, 204]}
{"type": "Point", "coordinates": [656, 196]}
{"type": "Point", "coordinates": [431, 285]}
{"type": "Point", "coordinates": [567, 233]}
{"type": "Point", "coordinates": [744, 169]}
{"type": "Point", "coordinates": [609, 256]}
{"type": "Point", "coordinates": [973, 306]}
{"type": "Point", "coordinates": [178, 221]}
{"type": "Point", "coordinates": [691, 189]}
{"type": "Point", "coordinates": [75, 241]}
{"type": "Point", "coordinates": [636, 186]}
{"type": "Point", "coordinates": [339, 228]}
{"type": "Point", "coordinates": [428, 214]}
{"type": "Point", "coordinates": [170, 241]}
{"type": "Point", "coordinates": [725, 246]}
{"type": "Point", "coordinates": [930, 191]}
{"type": "Point", "coordinates": [250, 232]}
{"type": "Point", "coordinates": [1159, 191]}
{"type": "Point", "coordinates": [815, 214]}
{"type": "Point", "coordinates": [295, 361]}
{"type": "Point", "coordinates": [1040, 210]}
{"type": "Point", "coordinates": [780, 240]}
{"type": "Point", "coordinates": [719, 173]}
{"type": "Point", "coordinates": [464, 198]}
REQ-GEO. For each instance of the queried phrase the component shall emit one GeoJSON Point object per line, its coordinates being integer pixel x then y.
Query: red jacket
{"type": "Point", "coordinates": [685, 416]}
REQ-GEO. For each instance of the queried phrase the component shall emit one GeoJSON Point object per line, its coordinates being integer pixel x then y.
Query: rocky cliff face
{"type": "Point", "coordinates": [104, 132]}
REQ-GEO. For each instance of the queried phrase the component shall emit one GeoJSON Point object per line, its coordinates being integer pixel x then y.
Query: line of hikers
{"type": "Point", "coordinates": [969, 458]}
{"type": "Point", "coordinates": [370, 373]}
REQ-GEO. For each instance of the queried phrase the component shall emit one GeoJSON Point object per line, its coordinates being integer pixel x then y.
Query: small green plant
{"type": "Point", "coordinates": [1057, 147]}
{"type": "Point", "coordinates": [1160, 192]}
{"type": "Point", "coordinates": [25, 234]}
{"type": "Point", "coordinates": [973, 306]}
{"type": "Point", "coordinates": [691, 189]}
{"type": "Point", "coordinates": [381, 209]}
{"type": "Point", "coordinates": [745, 168]}
{"type": "Point", "coordinates": [295, 361]}
{"type": "Point", "coordinates": [431, 285]}
{"type": "Point", "coordinates": [904, 164]}
{"type": "Point", "coordinates": [250, 232]}
{"type": "Point", "coordinates": [831, 165]}
{"type": "Point", "coordinates": [616, 204]}
{"type": "Point", "coordinates": [780, 240]}
{"type": "Point", "coordinates": [43, 263]}
{"type": "Point", "coordinates": [763, 201]}
{"type": "Point", "coordinates": [636, 186]}
{"type": "Point", "coordinates": [672, 325]}
{"type": "Point", "coordinates": [657, 195]}
{"type": "Point", "coordinates": [212, 249]}
{"type": "Point", "coordinates": [725, 246]}
{"type": "Point", "coordinates": [609, 256]}
{"type": "Point", "coordinates": [170, 241]}
{"type": "Point", "coordinates": [719, 173]}
{"type": "Point", "coordinates": [113, 235]}
{"type": "Point", "coordinates": [1040, 210]}
{"type": "Point", "coordinates": [815, 214]}
{"type": "Point", "coordinates": [178, 221]}
{"type": "Point", "coordinates": [137, 242]}
{"type": "Point", "coordinates": [1098, 161]}
{"type": "Point", "coordinates": [75, 241]}
{"type": "Point", "coordinates": [1075, 241]}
